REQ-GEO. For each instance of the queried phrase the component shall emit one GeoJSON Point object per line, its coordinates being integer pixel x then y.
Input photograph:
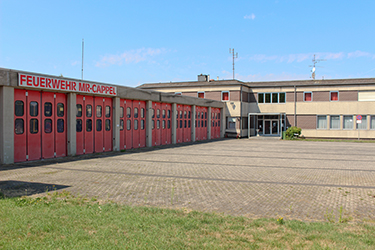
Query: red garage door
{"type": "Point", "coordinates": [179, 123]}
{"type": "Point", "coordinates": [166, 134]}
{"type": "Point", "coordinates": [156, 128]}
{"type": "Point", "coordinates": [40, 125]}
{"type": "Point", "coordinates": [187, 123]}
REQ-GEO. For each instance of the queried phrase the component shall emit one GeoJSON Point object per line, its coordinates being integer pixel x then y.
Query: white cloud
{"type": "Point", "coordinates": [309, 56]}
{"type": "Point", "coordinates": [252, 16]}
{"type": "Point", "coordinates": [131, 56]}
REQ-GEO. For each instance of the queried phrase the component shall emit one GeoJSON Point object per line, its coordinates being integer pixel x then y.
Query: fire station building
{"type": "Point", "coordinates": [43, 116]}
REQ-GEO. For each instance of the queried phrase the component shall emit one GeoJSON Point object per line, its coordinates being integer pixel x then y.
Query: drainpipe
{"type": "Point", "coordinates": [295, 105]}
{"type": "Point", "coordinates": [241, 113]}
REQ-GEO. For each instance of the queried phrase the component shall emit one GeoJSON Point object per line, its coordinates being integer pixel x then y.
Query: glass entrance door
{"type": "Point", "coordinates": [271, 127]}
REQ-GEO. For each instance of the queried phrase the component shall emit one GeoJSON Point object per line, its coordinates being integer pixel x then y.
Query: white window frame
{"type": "Point", "coordinates": [304, 96]}
{"type": "Point", "coordinates": [343, 122]}
{"type": "Point", "coordinates": [317, 122]}
{"type": "Point", "coordinates": [204, 94]}
{"type": "Point", "coordinates": [222, 96]}
{"type": "Point", "coordinates": [330, 122]}
{"type": "Point", "coordinates": [338, 96]}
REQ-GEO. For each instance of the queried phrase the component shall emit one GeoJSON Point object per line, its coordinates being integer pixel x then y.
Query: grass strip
{"type": "Point", "coordinates": [62, 221]}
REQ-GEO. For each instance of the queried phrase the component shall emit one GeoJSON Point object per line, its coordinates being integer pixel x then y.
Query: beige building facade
{"type": "Point", "coordinates": [340, 108]}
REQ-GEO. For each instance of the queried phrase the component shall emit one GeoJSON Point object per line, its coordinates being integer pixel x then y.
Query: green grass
{"type": "Point", "coordinates": [62, 221]}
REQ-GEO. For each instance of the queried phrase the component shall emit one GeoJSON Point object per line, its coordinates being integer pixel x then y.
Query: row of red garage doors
{"type": "Point", "coordinates": [40, 124]}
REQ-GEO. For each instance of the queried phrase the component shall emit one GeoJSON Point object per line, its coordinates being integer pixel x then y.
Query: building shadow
{"type": "Point", "coordinates": [12, 188]}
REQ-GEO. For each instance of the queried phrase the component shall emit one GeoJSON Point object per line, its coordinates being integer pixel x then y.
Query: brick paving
{"type": "Point", "coordinates": [254, 178]}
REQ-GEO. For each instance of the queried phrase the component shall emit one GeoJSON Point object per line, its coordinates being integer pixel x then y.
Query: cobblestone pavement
{"type": "Point", "coordinates": [254, 178]}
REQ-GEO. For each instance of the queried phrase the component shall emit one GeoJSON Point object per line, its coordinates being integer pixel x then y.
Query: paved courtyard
{"type": "Point", "coordinates": [254, 178]}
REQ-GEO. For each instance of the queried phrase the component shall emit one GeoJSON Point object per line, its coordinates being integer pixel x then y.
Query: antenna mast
{"type": "Point", "coordinates": [83, 44]}
{"type": "Point", "coordinates": [315, 61]}
{"type": "Point", "coordinates": [234, 56]}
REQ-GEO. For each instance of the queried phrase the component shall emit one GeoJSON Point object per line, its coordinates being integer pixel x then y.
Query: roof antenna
{"type": "Point", "coordinates": [315, 61]}
{"type": "Point", "coordinates": [234, 55]}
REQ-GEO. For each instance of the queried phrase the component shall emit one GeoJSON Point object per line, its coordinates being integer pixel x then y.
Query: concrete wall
{"type": "Point", "coordinates": [6, 125]}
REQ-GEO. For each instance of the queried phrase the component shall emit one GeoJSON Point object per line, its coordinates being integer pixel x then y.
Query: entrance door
{"type": "Point", "coordinates": [275, 127]}
{"type": "Point", "coordinates": [271, 127]}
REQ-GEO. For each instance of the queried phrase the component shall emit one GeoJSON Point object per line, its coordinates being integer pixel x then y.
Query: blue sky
{"type": "Point", "coordinates": [135, 42]}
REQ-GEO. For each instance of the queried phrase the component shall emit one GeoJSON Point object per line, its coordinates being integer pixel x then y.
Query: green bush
{"type": "Point", "coordinates": [292, 132]}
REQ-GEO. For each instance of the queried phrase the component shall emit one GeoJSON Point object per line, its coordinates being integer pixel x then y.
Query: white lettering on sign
{"type": "Point", "coordinates": [41, 82]}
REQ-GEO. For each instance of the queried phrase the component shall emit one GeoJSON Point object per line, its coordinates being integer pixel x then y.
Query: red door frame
{"type": "Point", "coordinates": [80, 135]}
{"type": "Point", "coordinates": [89, 117]}
{"type": "Point", "coordinates": [107, 124]}
{"type": "Point", "coordinates": [60, 125]}
{"type": "Point", "coordinates": [98, 124]}
{"type": "Point", "coordinates": [34, 142]}
{"type": "Point", "coordinates": [48, 130]}
{"type": "Point", "coordinates": [128, 125]}
{"type": "Point", "coordinates": [20, 139]}
{"type": "Point", "coordinates": [136, 124]}
{"type": "Point", "coordinates": [142, 124]}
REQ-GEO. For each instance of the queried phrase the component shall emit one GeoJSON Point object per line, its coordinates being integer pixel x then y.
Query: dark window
{"type": "Point", "coordinates": [267, 98]}
{"type": "Point", "coordinates": [107, 111]}
{"type": "Point", "coordinates": [158, 113]}
{"type": "Point", "coordinates": [48, 109]}
{"type": "Point", "coordinates": [202, 124]}
{"type": "Point", "coordinates": [163, 124]}
{"type": "Point", "coordinates": [282, 98]}
{"type": "Point", "coordinates": [34, 128]}
{"type": "Point", "coordinates": [158, 124]}
{"type": "Point", "coordinates": [128, 112]}
{"type": "Point", "coordinates": [185, 114]}
{"type": "Point", "coordinates": [98, 125]}
{"type": "Point", "coordinates": [60, 125]}
{"type": "Point", "coordinates": [142, 124]}
{"type": "Point", "coordinates": [180, 123]}
{"type": "Point", "coordinates": [189, 123]}
{"type": "Point", "coordinates": [88, 111]}
{"type": "Point", "coordinates": [199, 115]}
{"type": "Point", "coordinates": [19, 109]}
{"type": "Point", "coordinates": [79, 125]}
{"type": "Point", "coordinates": [180, 114]}
{"type": "Point", "coordinates": [135, 112]}
{"type": "Point", "coordinates": [79, 110]}
{"type": "Point", "coordinates": [275, 98]}
{"type": "Point", "coordinates": [135, 124]}
{"type": "Point", "coordinates": [153, 113]}
{"type": "Point", "coordinates": [169, 124]}
{"type": "Point", "coordinates": [260, 98]}
{"type": "Point", "coordinates": [185, 124]}
{"type": "Point", "coordinates": [199, 124]}
{"type": "Point", "coordinates": [122, 124]}
{"type": "Point", "coordinates": [169, 114]}
{"type": "Point", "coordinates": [88, 125]}
{"type": "Point", "coordinates": [163, 113]}
{"type": "Point", "coordinates": [202, 115]}
{"type": "Point", "coordinates": [218, 116]}
{"type": "Point", "coordinates": [34, 109]}
{"type": "Point", "coordinates": [98, 111]}
{"type": "Point", "coordinates": [142, 113]}
{"type": "Point", "coordinates": [128, 124]}
{"type": "Point", "coordinates": [47, 126]}
{"type": "Point", "coordinates": [60, 110]}
{"type": "Point", "coordinates": [153, 124]}
{"type": "Point", "coordinates": [121, 112]}
{"type": "Point", "coordinates": [107, 125]}
{"type": "Point", "coordinates": [205, 123]}
{"type": "Point", "coordinates": [205, 115]}
{"type": "Point", "coordinates": [19, 126]}
{"type": "Point", "coordinates": [218, 123]}
{"type": "Point", "coordinates": [189, 114]}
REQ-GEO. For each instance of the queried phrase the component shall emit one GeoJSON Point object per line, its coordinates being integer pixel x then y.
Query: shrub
{"type": "Point", "coordinates": [292, 133]}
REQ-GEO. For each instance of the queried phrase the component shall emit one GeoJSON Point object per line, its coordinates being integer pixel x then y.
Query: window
{"type": "Point", "coordinates": [98, 125]}
{"type": "Point", "coordinates": [98, 111]}
{"type": "Point", "coordinates": [48, 126]}
{"type": "Point", "coordinates": [60, 125]}
{"type": "Point", "coordinates": [158, 113]}
{"type": "Point", "coordinates": [281, 97]}
{"type": "Point", "coordinates": [169, 124]}
{"type": "Point", "coordinates": [107, 125]}
{"type": "Point", "coordinates": [188, 123]}
{"type": "Point", "coordinates": [180, 114]}
{"type": "Point", "coordinates": [189, 114]}
{"type": "Point", "coordinates": [267, 98]}
{"type": "Point", "coordinates": [321, 122]}
{"type": "Point", "coordinates": [180, 123]}
{"type": "Point", "coordinates": [135, 124]}
{"type": "Point", "coordinates": [157, 124]}
{"type": "Point", "coordinates": [307, 96]}
{"type": "Point", "coordinates": [60, 110]}
{"type": "Point", "coordinates": [122, 124]}
{"type": "Point", "coordinates": [363, 124]}
{"type": "Point", "coordinates": [48, 109]}
{"type": "Point", "coordinates": [142, 124]}
{"type": "Point", "coordinates": [142, 113]}
{"type": "Point", "coordinates": [153, 113]}
{"type": "Point", "coordinates": [200, 94]}
{"type": "Point", "coordinates": [33, 109]}
{"type": "Point", "coordinates": [153, 124]}
{"type": "Point", "coordinates": [107, 111]}
{"type": "Point", "coordinates": [121, 112]}
{"type": "Point", "coordinates": [372, 122]}
{"type": "Point", "coordinates": [185, 124]}
{"type": "Point", "coordinates": [88, 125]}
{"type": "Point", "coordinates": [88, 110]}
{"type": "Point", "coordinates": [260, 98]}
{"type": "Point", "coordinates": [205, 115]}
{"type": "Point", "coordinates": [334, 96]}
{"type": "Point", "coordinates": [185, 114]}
{"type": "Point", "coordinates": [19, 109]}
{"type": "Point", "coordinates": [231, 123]}
{"type": "Point", "coordinates": [79, 110]}
{"type": "Point", "coordinates": [347, 122]}
{"type": "Point", "coordinates": [34, 126]}
{"type": "Point", "coordinates": [225, 95]}
{"type": "Point", "coordinates": [334, 122]}
{"type": "Point", "coordinates": [275, 97]}
{"type": "Point", "coordinates": [128, 112]}
{"type": "Point", "coordinates": [169, 114]}
{"type": "Point", "coordinates": [163, 113]}
{"type": "Point", "coordinates": [163, 126]}
{"type": "Point", "coordinates": [128, 124]}
{"type": "Point", "coordinates": [19, 126]}
{"type": "Point", "coordinates": [79, 125]}
{"type": "Point", "coordinates": [135, 112]}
